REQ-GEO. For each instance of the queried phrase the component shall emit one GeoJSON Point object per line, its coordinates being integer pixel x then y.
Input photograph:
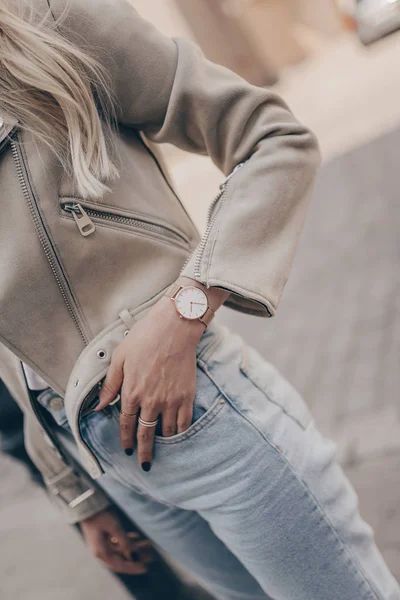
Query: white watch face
{"type": "Point", "coordinates": [191, 302]}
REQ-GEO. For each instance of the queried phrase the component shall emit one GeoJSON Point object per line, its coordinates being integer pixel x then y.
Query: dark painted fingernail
{"type": "Point", "coordinates": [135, 556]}
{"type": "Point", "coordinates": [146, 466]}
{"type": "Point", "coordinates": [129, 451]}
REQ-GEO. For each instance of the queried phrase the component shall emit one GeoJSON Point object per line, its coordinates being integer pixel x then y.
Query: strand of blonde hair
{"type": "Point", "coordinates": [59, 94]}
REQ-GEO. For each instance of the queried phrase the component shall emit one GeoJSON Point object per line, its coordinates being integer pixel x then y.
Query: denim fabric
{"type": "Point", "coordinates": [250, 498]}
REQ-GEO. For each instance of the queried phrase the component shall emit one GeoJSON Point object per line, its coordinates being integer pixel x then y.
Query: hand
{"type": "Point", "coordinates": [154, 369]}
{"type": "Point", "coordinates": [120, 551]}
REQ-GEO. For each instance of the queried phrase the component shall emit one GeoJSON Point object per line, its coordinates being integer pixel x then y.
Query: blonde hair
{"type": "Point", "coordinates": [58, 93]}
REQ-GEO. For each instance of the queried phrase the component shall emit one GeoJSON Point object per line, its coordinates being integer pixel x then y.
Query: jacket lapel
{"type": "Point", "coordinates": [8, 124]}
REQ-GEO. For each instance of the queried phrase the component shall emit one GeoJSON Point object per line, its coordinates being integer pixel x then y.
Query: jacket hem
{"type": "Point", "coordinates": [240, 299]}
{"type": "Point", "coordinates": [66, 490]}
{"type": "Point", "coordinates": [95, 504]}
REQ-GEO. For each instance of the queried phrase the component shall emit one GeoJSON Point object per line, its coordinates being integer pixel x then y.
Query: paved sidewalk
{"type": "Point", "coordinates": [42, 558]}
{"type": "Point", "coordinates": [336, 335]}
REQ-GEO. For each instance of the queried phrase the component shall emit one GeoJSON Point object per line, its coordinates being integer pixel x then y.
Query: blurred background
{"type": "Point", "coordinates": [336, 335]}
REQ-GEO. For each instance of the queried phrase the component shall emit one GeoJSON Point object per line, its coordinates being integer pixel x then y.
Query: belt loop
{"type": "Point", "coordinates": [127, 318]}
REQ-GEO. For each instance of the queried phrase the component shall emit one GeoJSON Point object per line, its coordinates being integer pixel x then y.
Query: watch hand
{"type": "Point", "coordinates": [200, 303]}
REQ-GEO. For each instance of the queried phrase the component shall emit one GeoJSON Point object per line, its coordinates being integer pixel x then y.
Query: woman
{"type": "Point", "coordinates": [109, 295]}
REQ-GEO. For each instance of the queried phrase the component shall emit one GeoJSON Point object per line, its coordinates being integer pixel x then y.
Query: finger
{"type": "Point", "coordinates": [112, 384]}
{"type": "Point", "coordinates": [146, 551]}
{"type": "Point", "coordinates": [142, 544]}
{"type": "Point", "coordinates": [117, 563]}
{"type": "Point", "coordinates": [145, 438]}
{"type": "Point", "coordinates": [147, 557]}
{"type": "Point", "coordinates": [128, 420]}
{"type": "Point", "coordinates": [127, 430]}
{"type": "Point", "coordinates": [169, 417]}
{"type": "Point", "coordinates": [119, 542]}
{"type": "Point", "coordinates": [185, 416]}
{"type": "Point", "coordinates": [99, 544]}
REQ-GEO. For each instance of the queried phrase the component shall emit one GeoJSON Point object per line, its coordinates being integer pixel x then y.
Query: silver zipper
{"type": "Point", "coordinates": [7, 139]}
{"type": "Point", "coordinates": [44, 239]}
{"type": "Point", "coordinates": [210, 223]}
{"type": "Point", "coordinates": [84, 221]}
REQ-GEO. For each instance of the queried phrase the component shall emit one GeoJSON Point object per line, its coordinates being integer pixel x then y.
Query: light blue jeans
{"type": "Point", "coordinates": [249, 499]}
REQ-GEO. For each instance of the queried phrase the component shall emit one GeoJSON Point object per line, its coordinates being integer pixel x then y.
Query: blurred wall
{"type": "Point", "coordinates": [224, 40]}
{"type": "Point", "coordinates": [256, 38]}
{"type": "Point", "coordinates": [270, 24]}
{"type": "Point", "coordinates": [165, 15]}
{"type": "Point", "coordinates": [322, 15]}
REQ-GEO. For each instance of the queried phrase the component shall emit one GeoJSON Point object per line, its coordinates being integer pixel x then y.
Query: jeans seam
{"type": "Point", "coordinates": [244, 369]}
{"type": "Point", "coordinates": [354, 562]}
{"type": "Point", "coordinates": [276, 403]}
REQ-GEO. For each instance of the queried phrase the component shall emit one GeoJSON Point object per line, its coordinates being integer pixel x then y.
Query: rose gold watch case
{"type": "Point", "coordinates": [173, 292]}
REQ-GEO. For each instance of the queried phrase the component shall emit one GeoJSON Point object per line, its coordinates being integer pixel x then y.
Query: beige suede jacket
{"type": "Point", "coordinates": [68, 298]}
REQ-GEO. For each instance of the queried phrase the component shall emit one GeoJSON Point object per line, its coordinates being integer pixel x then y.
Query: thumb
{"type": "Point", "coordinates": [111, 385]}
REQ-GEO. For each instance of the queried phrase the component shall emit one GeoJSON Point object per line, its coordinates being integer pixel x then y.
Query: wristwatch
{"type": "Point", "coordinates": [191, 303]}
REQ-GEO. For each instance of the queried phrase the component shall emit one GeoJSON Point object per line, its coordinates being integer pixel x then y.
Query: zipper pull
{"type": "Point", "coordinates": [223, 184]}
{"type": "Point", "coordinates": [83, 222]}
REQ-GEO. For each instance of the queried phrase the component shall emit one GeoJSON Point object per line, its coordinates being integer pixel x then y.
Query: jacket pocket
{"type": "Point", "coordinates": [87, 217]}
{"type": "Point", "coordinates": [274, 386]}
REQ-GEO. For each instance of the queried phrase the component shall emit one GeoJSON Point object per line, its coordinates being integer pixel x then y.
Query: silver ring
{"type": "Point", "coordinates": [147, 423]}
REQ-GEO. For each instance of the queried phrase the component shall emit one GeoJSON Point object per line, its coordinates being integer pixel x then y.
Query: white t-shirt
{"type": "Point", "coordinates": [35, 382]}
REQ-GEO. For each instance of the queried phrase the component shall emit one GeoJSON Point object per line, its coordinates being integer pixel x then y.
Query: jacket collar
{"type": "Point", "coordinates": [8, 124]}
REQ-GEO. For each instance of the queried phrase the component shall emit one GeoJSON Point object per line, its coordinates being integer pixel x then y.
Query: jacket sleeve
{"type": "Point", "coordinates": [168, 89]}
{"type": "Point", "coordinates": [72, 493]}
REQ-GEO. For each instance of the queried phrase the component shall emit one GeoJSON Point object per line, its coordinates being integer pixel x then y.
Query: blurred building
{"type": "Point", "coordinates": [256, 38]}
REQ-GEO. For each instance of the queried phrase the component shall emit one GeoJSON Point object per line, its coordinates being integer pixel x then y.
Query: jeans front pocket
{"type": "Point", "coordinates": [208, 401]}
{"type": "Point", "coordinates": [274, 386]}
